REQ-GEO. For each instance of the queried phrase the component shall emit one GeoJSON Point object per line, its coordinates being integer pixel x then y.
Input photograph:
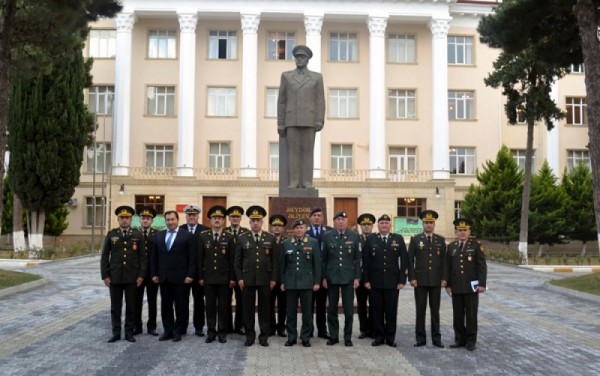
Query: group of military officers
{"type": "Point", "coordinates": [315, 265]}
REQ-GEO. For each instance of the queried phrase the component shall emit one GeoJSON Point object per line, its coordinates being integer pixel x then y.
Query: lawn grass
{"type": "Point", "coordinates": [589, 283]}
{"type": "Point", "coordinates": [9, 278]}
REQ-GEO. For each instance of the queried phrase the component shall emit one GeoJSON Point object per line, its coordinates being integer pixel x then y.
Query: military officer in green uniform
{"type": "Point", "coordinates": [277, 224]}
{"type": "Point", "coordinates": [365, 319]}
{"type": "Point", "coordinates": [300, 271]}
{"type": "Point", "coordinates": [147, 214]}
{"type": "Point", "coordinates": [256, 272]}
{"type": "Point", "coordinates": [385, 275]}
{"type": "Point", "coordinates": [216, 249]}
{"type": "Point", "coordinates": [427, 257]}
{"type": "Point", "coordinates": [234, 214]}
{"type": "Point", "coordinates": [466, 274]}
{"type": "Point", "coordinates": [341, 272]}
{"type": "Point", "coordinates": [123, 269]}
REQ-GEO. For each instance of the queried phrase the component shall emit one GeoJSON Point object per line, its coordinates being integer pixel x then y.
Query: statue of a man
{"type": "Point", "coordinates": [300, 114]}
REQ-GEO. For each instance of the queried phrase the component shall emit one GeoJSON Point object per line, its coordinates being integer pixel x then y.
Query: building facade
{"type": "Point", "coordinates": [185, 94]}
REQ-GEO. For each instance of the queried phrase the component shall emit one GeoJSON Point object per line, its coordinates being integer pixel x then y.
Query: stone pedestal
{"type": "Point", "coordinates": [296, 207]}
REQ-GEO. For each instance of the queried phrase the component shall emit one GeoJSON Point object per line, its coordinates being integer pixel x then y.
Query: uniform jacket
{"type": "Point", "coordinates": [385, 265]}
{"type": "Point", "coordinates": [215, 260]}
{"type": "Point", "coordinates": [123, 259]}
{"type": "Point", "coordinates": [240, 231]}
{"type": "Point", "coordinates": [147, 244]}
{"type": "Point", "coordinates": [177, 264]}
{"type": "Point", "coordinates": [426, 261]}
{"type": "Point", "coordinates": [310, 232]}
{"type": "Point", "coordinates": [301, 101]}
{"type": "Point", "coordinates": [465, 266]}
{"type": "Point", "coordinates": [341, 257]}
{"type": "Point", "coordinates": [300, 263]}
{"type": "Point", "coordinates": [255, 263]}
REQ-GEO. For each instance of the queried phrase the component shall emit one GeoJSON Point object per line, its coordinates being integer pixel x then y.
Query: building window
{"type": "Point", "coordinates": [280, 45]}
{"type": "Point", "coordinates": [521, 114]}
{"type": "Point", "coordinates": [461, 105]}
{"type": "Point", "coordinates": [462, 161]}
{"type": "Point", "coordinates": [222, 45]}
{"type": "Point", "coordinates": [155, 201]}
{"type": "Point", "coordinates": [457, 210]}
{"type": "Point", "coordinates": [93, 211]}
{"type": "Point", "coordinates": [341, 159]}
{"type": "Point", "coordinates": [101, 99]}
{"type": "Point", "coordinates": [219, 156]}
{"type": "Point", "coordinates": [460, 50]}
{"type": "Point", "coordinates": [343, 103]}
{"type": "Point", "coordinates": [271, 102]}
{"type": "Point", "coordinates": [410, 207]}
{"type": "Point", "coordinates": [576, 111]}
{"type": "Point", "coordinates": [100, 159]}
{"type": "Point", "coordinates": [343, 47]}
{"type": "Point", "coordinates": [103, 43]}
{"type": "Point", "coordinates": [221, 101]}
{"type": "Point", "coordinates": [574, 157]}
{"type": "Point", "coordinates": [401, 48]}
{"type": "Point", "coordinates": [519, 157]}
{"type": "Point", "coordinates": [159, 158]}
{"type": "Point", "coordinates": [274, 160]}
{"type": "Point", "coordinates": [160, 101]}
{"type": "Point", "coordinates": [162, 44]}
{"type": "Point", "coordinates": [402, 159]}
{"type": "Point", "coordinates": [402, 104]}
{"type": "Point", "coordinates": [577, 68]}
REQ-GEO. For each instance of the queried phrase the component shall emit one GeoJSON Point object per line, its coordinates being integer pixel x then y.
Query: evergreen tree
{"type": "Point", "coordinates": [578, 209]}
{"type": "Point", "coordinates": [546, 222]}
{"type": "Point", "coordinates": [494, 204]}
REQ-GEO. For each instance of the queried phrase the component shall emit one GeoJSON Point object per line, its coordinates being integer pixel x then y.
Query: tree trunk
{"type": "Point", "coordinates": [587, 18]}
{"type": "Point", "coordinates": [36, 220]}
{"type": "Point", "coordinates": [540, 250]}
{"type": "Point", "coordinates": [583, 249]}
{"type": "Point", "coordinates": [18, 233]}
{"type": "Point", "coordinates": [524, 228]}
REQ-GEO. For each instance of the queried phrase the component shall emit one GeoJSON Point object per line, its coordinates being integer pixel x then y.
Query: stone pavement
{"type": "Point", "coordinates": [524, 328]}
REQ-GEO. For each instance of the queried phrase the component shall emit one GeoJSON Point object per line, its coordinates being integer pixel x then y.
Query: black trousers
{"type": "Point", "coordinates": [178, 295]}
{"type": "Point", "coordinates": [422, 295]}
{"type": "Point", "coordinates": [363, 297]}
{"type": "Point", "coordinates": [320, 307]}
{"type": "Point", "coordinates": [306, 298]}
{"type": "Point", "coordinates": [264, 311]}
{"type": "Point", "coordinates": [151, 289]}
{"type": "Point", "coordinates": [333, 292]}
{"type": "Point", "coordinates": [238, 323]}
{"type": "Point", "coordinates": [198, 294]}
{"type": "Point", "coordinates": [278, 319]}
{"type": "Point", "coordinates": [385, 310]}
{"type": "Point", "coordinates": [464, 309]}
{"type": "Point", "coordinates": [217, 302]}
{"type": "Point", "coordinates": [116, 306]}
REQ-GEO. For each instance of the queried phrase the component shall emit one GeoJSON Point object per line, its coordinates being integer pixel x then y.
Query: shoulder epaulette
{"type": "Point", "coordinates": [205, 232]}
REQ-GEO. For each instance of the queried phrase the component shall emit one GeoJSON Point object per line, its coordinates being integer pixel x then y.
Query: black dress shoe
{"type": "Point", "coordinates": [249, 342]}
{"type": "Point", "coordinates": [165, 337]}
{"type": "Point", "coordinates": [240, 332]}
{"type": "Point", "coordinates": [137, 331]}
{"type": "Point", "coordinates": [222, 340]}
{"type": "Point", "coordinates": [177, 338]}
{"type": "Point", "coordinates": [470, 347]}
{"type": "Point", "coordinates": [376, 343]}
{"type": "Point", "coordinates": [348, 343]}
{"type": "Point", "coordinates": [290, 343]}
{"type": "Point", "coordinates": [362, 335]}
{"type": "Point", "coordinates": [324, 335]}
{"type": "Point", "coordinates": [438, 344]}
{"type": "Point", "coordinates": [457, 345]}
{"type": "Point", "coordinates": [419, 344]}
{"type": "Point", "coordinates": [391, 344]}
{"type": "Point", "coordinates": [306, 343]}
{"type": "Point", "coordinates": [210, 339]}
{"type": "Point", "coordinates": [129, 338]}
{"type": "Point", "coordinates": [332, 342]}
{"type": "Point", "coordinates": [114, 338]}
{"type": "Point", "coordinates": [199, 333]}
{"type": "Point", "coordinates": [264, 343]}
{"type": "Point", "coordinates": [281, 333]}
{"type": "Point", "coordinates": [152, 332]}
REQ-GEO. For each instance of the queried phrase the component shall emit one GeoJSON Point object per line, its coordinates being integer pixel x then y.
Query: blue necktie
{"type": "Point", "coordinates": [170, 239]}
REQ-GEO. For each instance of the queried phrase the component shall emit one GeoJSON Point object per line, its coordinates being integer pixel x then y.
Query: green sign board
{"type": "Point", "coordinates": [158, 223]}
{"type": "Point", "coordinates": [407, 226]}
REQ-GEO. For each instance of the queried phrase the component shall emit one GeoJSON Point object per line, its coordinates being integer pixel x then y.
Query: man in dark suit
{"type": "Point", "coordinates": [341, 272]}
{"type": "Point", "coordinates": [234, 214]}
{"type": "Point", "coordinates": [300, 273]}
{"type": "Point", "coordinates": [363, 297]}
{"type": "Point", "coordinates": [465, 274]}
{"type": "Point", "coordinates": [385, 275]}
{"type": "Point", "coordinates": [300, 114]}
{"type": "Point", "coordinates": [123, 269]}
{"type": "Point", "coordinates": [192, 213]}
{"type": "Point", "coordinates": [316, 230]}
{"type": "Point", "coordinates": [278, 223]}
{"type": "Point", "coordinates": [427, 257]}
{"type": "Point", "coordinates": [174, 268]}
{"type": "Point", "coordinates": [147, 214]}
{"type": "Point", "coordinates": [256, 273]}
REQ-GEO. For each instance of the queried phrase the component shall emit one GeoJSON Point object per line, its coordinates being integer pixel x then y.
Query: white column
{"type": "Point", "coordinates": [122, 102]}
{"type": "Point", "coordinates": [187, 93]}
{"type": "Point", "coordinates": [377, 165]}
{"type": "Point", "coordinates": [553, 143]}
{"type": "Point", "coordinates": [313, 25]}
{"type": "Point", "coordinates": [439, 103]}
{"type": "Point", "coordinates": [249, 92]}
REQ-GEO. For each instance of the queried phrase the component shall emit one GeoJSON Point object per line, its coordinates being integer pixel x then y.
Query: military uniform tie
{"type": "Point", "coordinates": [429, 239]}
{"type": "Point", "coordinates": [145, 234]}
{"type": "Point", "coordinates": [216, 239]}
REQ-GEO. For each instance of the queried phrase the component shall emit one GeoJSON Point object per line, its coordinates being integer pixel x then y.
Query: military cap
{"type": "Point", "coordinates": [366, 219]}
{"type": "Point", "coordinates": [124, 211]}
{"type": "Point", "coordinates": [216, 211]}
{"type": "Point", "coordinates": [302, 49]}
{"type": "Point", "coordinates": [256, 212]}
{"type": "Point", "coordinates": [462, 223]}
{"type": "Point", "coordinates": [316, 210]}
{"type": "Point", "coordinates": [428, 216]}
{"type": "Point", "coordinates": [235, 211]}
{"type": "Point", "coordinates": [147, 211]}
{"type": "Point", "coordinates": [192, 209]}
{"type": "Point", "coordinates": [277, 220]}
{"type": "Point", "coordinates": [340, 213]}
{"type": "Point", "coordinates": [384, 217]}
{"type": "Point", "coordinates": [298, 222]}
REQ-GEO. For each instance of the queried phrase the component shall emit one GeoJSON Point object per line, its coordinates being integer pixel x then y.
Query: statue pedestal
{"type": "Point", "coordinates": [298, 192]}
{"type": "Point", "coordinates": [296, 207]}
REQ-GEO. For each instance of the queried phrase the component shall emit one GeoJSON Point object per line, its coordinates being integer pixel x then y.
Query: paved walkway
{"type": "Point", "coordinates": [524, 328]}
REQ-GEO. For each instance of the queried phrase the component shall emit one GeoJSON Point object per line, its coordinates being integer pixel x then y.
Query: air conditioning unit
{"type": "Point", "coordinates": [73, 202]}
